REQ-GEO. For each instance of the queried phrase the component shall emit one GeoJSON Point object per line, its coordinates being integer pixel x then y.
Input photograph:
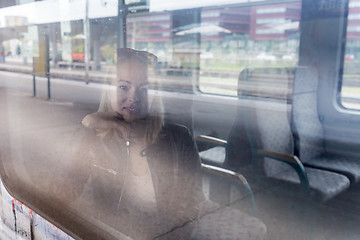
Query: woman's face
{"type": "Point", "coordinates": [130, 99]}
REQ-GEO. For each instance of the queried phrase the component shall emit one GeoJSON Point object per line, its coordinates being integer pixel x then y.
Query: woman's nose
{"type": "Point", "coordinates": [133, 95]}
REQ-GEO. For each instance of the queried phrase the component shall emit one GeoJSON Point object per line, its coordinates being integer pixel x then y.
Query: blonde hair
{"type": "Point", "coordinates": [155, 117]}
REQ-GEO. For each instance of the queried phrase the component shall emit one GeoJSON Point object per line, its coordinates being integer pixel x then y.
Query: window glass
{"type": "Point", "coordinates": [246, 37]}
{"type": "Point", "coordinates": [103, 108]}
{"type": "Point", "coordinates": [88, 139]}
{"type": "Point", "coordinates": [350, 91]}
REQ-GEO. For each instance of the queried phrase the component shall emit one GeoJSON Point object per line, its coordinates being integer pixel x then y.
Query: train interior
{"type": "Point", "coordinates": [279, 142]}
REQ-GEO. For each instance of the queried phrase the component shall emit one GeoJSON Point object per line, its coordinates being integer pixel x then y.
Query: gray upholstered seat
{"type": "Point", "coordinates": [274, 135]}
{"type": "Point", "coordinates": [268, 129]}
{"type": "Point", "coordinates": [228, 223]}
{"type": "Point", "coordinates": [310, 132]}
{"type": "Point", "coordinates": [345, 165]}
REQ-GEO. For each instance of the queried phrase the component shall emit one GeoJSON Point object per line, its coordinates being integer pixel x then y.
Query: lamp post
{"type": "Point", "coordinates": [121, 23]}
{"type": "Point", "coordinates": [86, 41]}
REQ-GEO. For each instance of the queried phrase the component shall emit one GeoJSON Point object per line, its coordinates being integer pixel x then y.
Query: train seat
{"type": "Point", "coordinates": [309, 131]}
{"type": "Point", "coordinates": [261, 139]}
{"type": "Point", "coordinates": [234, 153]}
{"type": "Point", "coordinates": [234, 225]}
{"type": "Point", "coordinates": [273, 151]}
{"type": "Point", "coordinates": [223, 216]}
{"type": "Point", "coordinates": [272, 143]}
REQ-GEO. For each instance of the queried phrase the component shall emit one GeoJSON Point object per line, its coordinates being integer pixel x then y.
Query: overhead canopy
{"type": "Point", "coordinates": [54, 11]}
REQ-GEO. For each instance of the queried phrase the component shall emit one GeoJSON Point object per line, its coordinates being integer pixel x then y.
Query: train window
{"type": "Point", "coordinates": [350, 91]}
{"type": "Point", "coordinates": [233, 39]}
{"type": "Point", "coordinates": [105, 105]}
{"type": "Point", "coordinates": [86, 142]}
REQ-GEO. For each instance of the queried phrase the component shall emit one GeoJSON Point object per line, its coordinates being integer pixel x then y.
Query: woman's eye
{"type": "Point", "coordinates": [123, 87]}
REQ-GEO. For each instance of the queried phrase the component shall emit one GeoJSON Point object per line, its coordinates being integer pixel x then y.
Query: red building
{"type": "Point", "coordinates": [155, 27]}
{"type": "Point", "coordinates": [353, 26]}
{"type": "Point", "coordinates": [274, 22]}
{"type": "Point", "coordinates": [264, 22]}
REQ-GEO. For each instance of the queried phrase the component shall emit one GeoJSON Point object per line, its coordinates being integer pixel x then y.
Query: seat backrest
{"type": "Point", "coordinates": [273, 83]}
{"type": "Point", "coordinates": [267, 123]}
{"type": "Point", "coordinates": [251, 84]}
{"type": "Point", "coordinates": [305, 120]}
{"type": "Point", "coordinates": [272, 133]}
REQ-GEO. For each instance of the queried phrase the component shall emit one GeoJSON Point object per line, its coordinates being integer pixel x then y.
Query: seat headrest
{"type": "Point", "coordinates": [306, 80]}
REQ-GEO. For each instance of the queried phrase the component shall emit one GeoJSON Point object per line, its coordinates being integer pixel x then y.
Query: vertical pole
{"type": "Point", "coordinates": [196, 75]}
{"type": "Point", "coordinates": [86, 41]}
{"type": "Point", "coordinates": [34, 85]}
{"type": "Point", "coordinates": [121, 31]}
{"type": "Point", "coordinates": [49, 91]}
{"type": "Point", "coordinates": [34, 81]}
{"type": "Point", "coordinates": [47, 62]}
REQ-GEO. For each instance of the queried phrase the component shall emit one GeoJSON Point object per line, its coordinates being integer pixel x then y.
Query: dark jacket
{"type": "Point", "coordinates": [174, 165]}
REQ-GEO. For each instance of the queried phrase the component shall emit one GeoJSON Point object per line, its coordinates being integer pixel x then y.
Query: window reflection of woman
{"type": "Point", "coordinates": [143, 172]}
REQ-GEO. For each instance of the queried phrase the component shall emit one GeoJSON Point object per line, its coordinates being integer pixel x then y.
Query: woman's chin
{"type": "Point", "coordinates": [131, 118]}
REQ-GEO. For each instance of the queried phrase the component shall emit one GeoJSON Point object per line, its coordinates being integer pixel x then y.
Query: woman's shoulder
{"type": "Point", "coordinates": [99, 120]}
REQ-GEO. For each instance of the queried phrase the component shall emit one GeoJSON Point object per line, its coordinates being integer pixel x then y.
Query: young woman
{"type": "Point", "coordinates": [144, 177]}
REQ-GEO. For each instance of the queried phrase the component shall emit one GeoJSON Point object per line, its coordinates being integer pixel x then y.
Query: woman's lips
{"type": "Point", "coordinates": [131, 110]}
